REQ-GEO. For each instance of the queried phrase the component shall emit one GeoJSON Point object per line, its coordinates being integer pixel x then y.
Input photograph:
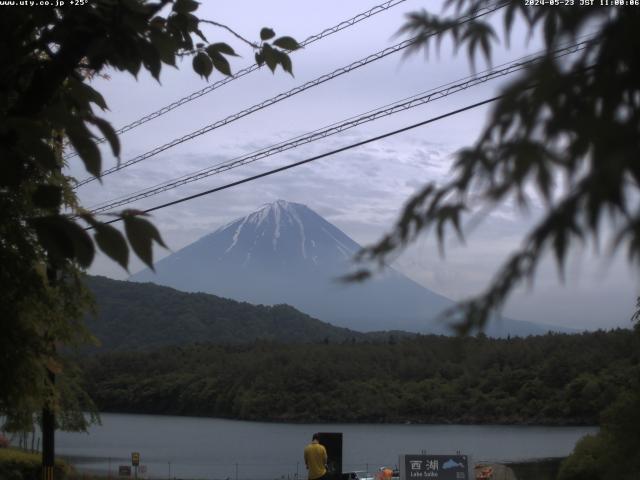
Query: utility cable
{"type": "Point", "coordinates": [312, 159]}
{"type": "Point", "coordinates": [390, 109]}
{"type": "Point", "coordinates": [282, 96]}
{"type": "Point", "coordinates": [245, 71]}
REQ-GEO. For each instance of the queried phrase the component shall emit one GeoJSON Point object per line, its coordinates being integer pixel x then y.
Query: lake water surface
{"type": "Point", "coordinates": [188, 447]}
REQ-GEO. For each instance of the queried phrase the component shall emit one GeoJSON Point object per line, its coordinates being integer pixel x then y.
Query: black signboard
{"type": "Point", "coordinates": [124, 471]}
{"type": "Point", "coordinates": [434, 467]}
{"type": "Point", "coordinates": [332, 443]}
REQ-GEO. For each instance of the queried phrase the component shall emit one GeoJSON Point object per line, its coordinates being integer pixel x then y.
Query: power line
{"type": "Point", "coordinates": [282, 96]}
{"type": "Point", "coordinates": [402, 105]}
{"type": "Point", "coordinates": [312, 159]}
{"type": "Point", "coordinates": [372, 115]}
{"type": "Point", "coordinates": [245, 71]}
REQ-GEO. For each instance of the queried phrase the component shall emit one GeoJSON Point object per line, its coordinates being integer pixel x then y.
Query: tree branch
{"type": "Point", "coordinates": [233, 32]}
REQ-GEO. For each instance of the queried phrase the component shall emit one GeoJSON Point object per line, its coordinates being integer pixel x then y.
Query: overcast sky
{"type": "Point", "coordinates": [362, 190]}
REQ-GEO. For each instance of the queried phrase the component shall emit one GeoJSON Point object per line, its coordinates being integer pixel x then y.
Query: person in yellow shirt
{"type": "Point", "coordinates": [315, 458]}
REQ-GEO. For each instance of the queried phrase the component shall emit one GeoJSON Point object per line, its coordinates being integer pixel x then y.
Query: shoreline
{"type": "Point", "coordinates": [72, 465]}
{"type": "Point", "coordinates": [211, 448]}
{"type": "Point", "coordinates": [287, 421]}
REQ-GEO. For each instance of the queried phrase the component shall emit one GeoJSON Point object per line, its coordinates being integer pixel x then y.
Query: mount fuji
{"type": "Point", "coordinates": [287, 253]}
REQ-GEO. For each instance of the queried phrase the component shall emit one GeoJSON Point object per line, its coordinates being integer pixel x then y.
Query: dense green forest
{"type": "Point", "coordinates": [553, 379]}
{"type": "Point", "coordinates": [144, 315]}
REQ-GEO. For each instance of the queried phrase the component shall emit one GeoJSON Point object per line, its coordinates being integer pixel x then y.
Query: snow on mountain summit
{"type": "Point", "coordinates": [286, 230]}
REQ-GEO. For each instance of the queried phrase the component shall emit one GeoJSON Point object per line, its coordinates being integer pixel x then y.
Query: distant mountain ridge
{"type": "Point", "coordinates": [287, 253]}
{"type": "Point", "coordinates": [134, 316]}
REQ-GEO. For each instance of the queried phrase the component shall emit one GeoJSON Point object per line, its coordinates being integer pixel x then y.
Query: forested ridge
{"type": "Point", "coordinates": [134, 315]}
{"type": "Point", "coordinates": [556, 379]}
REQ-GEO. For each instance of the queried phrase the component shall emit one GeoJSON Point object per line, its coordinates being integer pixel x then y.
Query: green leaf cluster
{"type": "Point", "coordinates": [212, 56]}
{"type": "Point", "coordinates": [19, 465]}
{"type": "Point", "coordinates": [614, 452]}
{"type": "Point", "coordinates": [47, 105]}
{"type": "Point", "coordinates": [273, 57]}
{"type": "Point", "coordinates": [562, 138]}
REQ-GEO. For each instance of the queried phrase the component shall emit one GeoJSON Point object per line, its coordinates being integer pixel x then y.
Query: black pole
{"type": "Point", "coordinates": [48, 437]}
{"type": "Point", "coordinates": [48, 415]}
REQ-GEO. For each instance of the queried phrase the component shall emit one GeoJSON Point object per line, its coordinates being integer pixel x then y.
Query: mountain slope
{"type": "Point", "coordinates": [287, 253]}
{"type": "Point", "coordinates": [136, 315]}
